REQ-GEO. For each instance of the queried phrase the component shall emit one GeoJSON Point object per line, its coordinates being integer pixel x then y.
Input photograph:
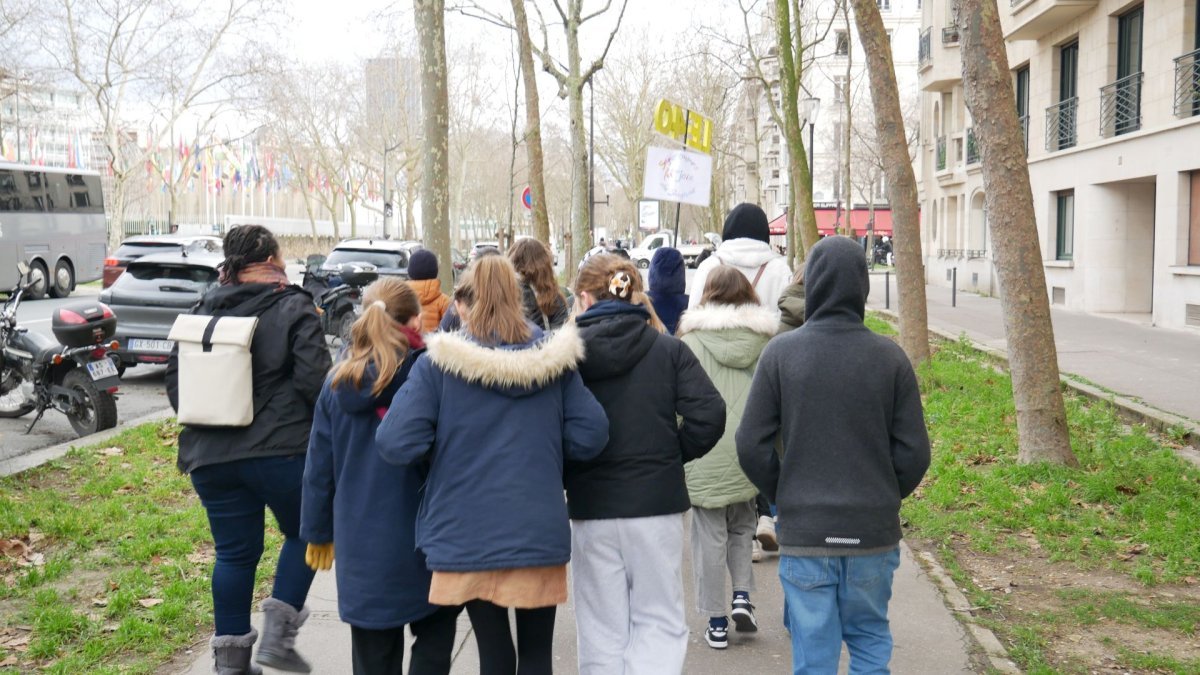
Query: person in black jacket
{"type": "Point", "coordinates": [239, 471]}
{"type": "Point", "coordinates": [627, 505]}
{"type": "Point", "coordinates": [541, 298]}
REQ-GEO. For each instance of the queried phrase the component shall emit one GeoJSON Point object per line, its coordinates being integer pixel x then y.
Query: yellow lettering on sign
{"type": "Point", "coordinates": [683, 125]}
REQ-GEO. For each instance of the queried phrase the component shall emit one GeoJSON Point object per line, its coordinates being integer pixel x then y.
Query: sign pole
{"type": "Point", "coordinates": [687, 118]}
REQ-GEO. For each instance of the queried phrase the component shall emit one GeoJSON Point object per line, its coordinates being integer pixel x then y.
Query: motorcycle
{"type": "Point", "coordinates": [340, 305]}
{"type": "Point", "coordinates": [73, 373]}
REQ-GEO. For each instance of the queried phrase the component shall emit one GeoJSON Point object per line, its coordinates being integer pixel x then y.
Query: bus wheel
{"type": "Point", "coordinates": [64, 280]}
{"type": "Point", "coordinates": [38, 280]}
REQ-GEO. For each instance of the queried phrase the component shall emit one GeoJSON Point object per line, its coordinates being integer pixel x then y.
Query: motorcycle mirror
{"type": "Point", "coordinates": [23, 268]}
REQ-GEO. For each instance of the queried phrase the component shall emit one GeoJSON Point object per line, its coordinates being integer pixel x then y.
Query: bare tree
{"type": "Point", "coordinates": [901, 183]}
{"type": "Point", "coordinates": [791, 64]}
{"type": "Point", "coordinates": [571, 79]}
{"type": "Point", "coordinates": [1042, 432]}
{"type": "Point", "coordinates": [164, 54]}
{"type": "Point", "coordinates": [430, 19]}
{"type": "Point", "coordinates": [533, 124]}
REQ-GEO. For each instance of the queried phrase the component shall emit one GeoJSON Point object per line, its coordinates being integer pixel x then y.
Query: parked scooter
{"type": "Point", "coordinates": [340, 305]}
{"type": "Point", "coordinates": [72, 374]}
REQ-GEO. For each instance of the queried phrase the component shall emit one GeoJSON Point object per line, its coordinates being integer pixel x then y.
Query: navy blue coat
{"type": "Point", "coordinates": [366, 506]}
{"type": "Point", "coordinates": [496, 425]}
{"type": "Point", "coordinates": [668, 279]}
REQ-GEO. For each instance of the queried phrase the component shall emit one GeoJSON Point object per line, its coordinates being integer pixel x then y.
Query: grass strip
{"type": "Point", "coordinates": [105, 557]}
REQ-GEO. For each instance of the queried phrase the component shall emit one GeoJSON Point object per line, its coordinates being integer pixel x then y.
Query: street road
{"type": "Point", "coordinates": [141, 390]}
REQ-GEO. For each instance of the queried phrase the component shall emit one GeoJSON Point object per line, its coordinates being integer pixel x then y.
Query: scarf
{"type": "Point", "coordinates": [414, 338]}
{"type": "Point", "coordinates": [265, 272]}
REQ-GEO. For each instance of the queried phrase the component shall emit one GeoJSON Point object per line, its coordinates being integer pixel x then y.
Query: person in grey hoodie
{"type": "Point", "coordinates": [854, 444]}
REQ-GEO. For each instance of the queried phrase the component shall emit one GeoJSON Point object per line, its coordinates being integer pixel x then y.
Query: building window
{"type": "Point", "coordinates": [1194, 221]}
{"type": "Point", "coordinates": [1065, 221]}
{"type": "Point", "coordinates": [883, 5]}
{"type": "Point", "coordinates": [842, 43]}
{"type": "Point", "coordinates": [839, 89]}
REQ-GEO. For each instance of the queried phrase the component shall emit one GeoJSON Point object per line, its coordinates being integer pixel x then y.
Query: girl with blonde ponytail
{"type": "Point", "coordinates": [365, 508]}
{"type": "Point", "coordinates": [627, 504]}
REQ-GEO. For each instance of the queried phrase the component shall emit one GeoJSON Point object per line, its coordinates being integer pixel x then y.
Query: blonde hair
{"type": "Point", "coordinates": [495, 314]}
{"type": "Point", "coordinates": [375, 337]}
{"type": "Point", "coordinates": [611, 277]}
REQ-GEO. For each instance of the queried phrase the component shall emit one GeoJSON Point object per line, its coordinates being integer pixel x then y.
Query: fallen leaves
{"type": "Point", "coordinates": [21, 553]}
{"type": "Point", "coordinates": [150, 602]}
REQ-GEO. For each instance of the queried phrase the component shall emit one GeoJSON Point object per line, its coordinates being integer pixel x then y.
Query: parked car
{"type": "Point", "coordinates": [145, 244]}
{"type": "Point", "coordinates": [153, 290]}
{"type": "Point", "coordinates": [388, 256]}
{"type": "Point", "coordinates": [479, 246]}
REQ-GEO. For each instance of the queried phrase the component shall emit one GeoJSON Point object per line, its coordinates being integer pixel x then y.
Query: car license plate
{"type": "Point", "coordinates": [144, 345]}
{"type": "Point", "coordinates": [102, 368]}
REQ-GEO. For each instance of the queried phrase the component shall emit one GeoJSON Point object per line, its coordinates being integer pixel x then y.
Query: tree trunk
{"type": "Point", "coordinates": [901, 183]}
{"type": "Point", "coordinates": [430, 18]}
{"type": "Point", "coordinates": [848, 109]}
{"type": "Point", "coordinates": [533, 125]}
{"type": "Point", "coordinates": [581, 236]}
{"type": "Point", "coordinates": [798, 176]}
{"type": "Point", "coordinates": [1042, 432]}
{"type": "Point", "coordinates": [117, 204]}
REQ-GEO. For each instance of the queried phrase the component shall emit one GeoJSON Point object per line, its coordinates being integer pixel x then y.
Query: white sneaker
{"type": "Point", "coordinates": [756, 553]}
{"type": "Point", "coordinates": [766, 533]}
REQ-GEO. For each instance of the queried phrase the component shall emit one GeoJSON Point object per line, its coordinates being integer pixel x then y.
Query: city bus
{"type": "Point", "coordinates": [53, 220]}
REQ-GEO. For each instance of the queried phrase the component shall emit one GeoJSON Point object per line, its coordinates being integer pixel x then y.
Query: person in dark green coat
{"type": "Point", "coordinates": [727, 331]}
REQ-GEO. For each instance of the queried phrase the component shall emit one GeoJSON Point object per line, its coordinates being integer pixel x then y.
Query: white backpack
{"type": "Point", "coordinates": [216, 370]}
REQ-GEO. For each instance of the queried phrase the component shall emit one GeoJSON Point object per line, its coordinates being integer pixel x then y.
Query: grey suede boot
{"type": "Point", "coordinates": [231, 654]}
{"type": "Point", "coordinates": [281, 622]}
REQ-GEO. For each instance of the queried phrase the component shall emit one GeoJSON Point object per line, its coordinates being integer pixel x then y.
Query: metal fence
{"type": "Point", "coordinates": [1121, 106]}
{"type": "Point", "coordinates": [1061, 132]}
{"type": "Point", "coordinates": [1187, 84]}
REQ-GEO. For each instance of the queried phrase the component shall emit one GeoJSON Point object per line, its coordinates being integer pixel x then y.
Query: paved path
{"type": "Point", "coordinates": [1159, 366]}
{"type": "Point", "coordinates": [928, 638]}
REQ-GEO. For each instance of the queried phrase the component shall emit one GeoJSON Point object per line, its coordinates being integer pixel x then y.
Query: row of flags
{"type": "Point", "coordinates": [42, 147]}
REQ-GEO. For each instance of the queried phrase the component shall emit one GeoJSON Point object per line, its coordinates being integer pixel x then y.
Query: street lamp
{"type": "Point", "coordinates": [809, 108]}
{"type": "Point", "coordinates": [387, 189]}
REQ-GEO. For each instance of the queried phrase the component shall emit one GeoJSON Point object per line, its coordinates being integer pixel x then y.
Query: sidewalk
{"type": "Point", "coordinates": [1158, 366]}
{"type": "Point", "coordinates": [928, 639]}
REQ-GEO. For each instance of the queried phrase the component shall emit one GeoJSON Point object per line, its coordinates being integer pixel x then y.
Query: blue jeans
{"type": "Point", "coordinates": [834, 599]}
{"type": "Point", "coordinates": [235, 494]}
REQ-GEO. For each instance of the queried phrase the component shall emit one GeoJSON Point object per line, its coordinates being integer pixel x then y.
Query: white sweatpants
{"type": "Point", "coordinates": [627, 579]}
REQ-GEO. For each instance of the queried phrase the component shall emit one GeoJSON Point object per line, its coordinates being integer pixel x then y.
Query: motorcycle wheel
{"type": "Point", "coordinates": [16, 398]}
{"type": "Point", "coordinates": [98, 409]}
{"type": "Point", "coordinates": [344, 324]}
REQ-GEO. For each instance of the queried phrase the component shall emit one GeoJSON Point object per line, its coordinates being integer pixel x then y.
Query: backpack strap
{"type": "Point", "coordinates": [759, 275]}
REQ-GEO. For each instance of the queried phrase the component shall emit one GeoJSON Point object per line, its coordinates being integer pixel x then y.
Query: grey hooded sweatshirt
{"type": "Point", "coordinates": [844, 403]}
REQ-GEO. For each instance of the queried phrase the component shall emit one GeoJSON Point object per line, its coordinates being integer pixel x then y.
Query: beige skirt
{"type": "Point", "coordinates": [522, 588]}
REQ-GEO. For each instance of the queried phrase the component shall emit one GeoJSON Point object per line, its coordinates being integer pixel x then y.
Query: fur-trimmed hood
{"type": "Point", "coordinates": [734, 335]}
{"type": "Point", "coordinates": [517, 370]}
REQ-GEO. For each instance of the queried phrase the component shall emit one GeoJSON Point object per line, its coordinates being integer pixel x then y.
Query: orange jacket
{"type": "Point", "coordinates": [434, 302]}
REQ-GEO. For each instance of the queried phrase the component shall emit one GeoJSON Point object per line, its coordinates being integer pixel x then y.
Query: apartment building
{"type": "Point", "coordinates": [1109, 95]}
{"type": "Point", "coordinates": [834, 48]}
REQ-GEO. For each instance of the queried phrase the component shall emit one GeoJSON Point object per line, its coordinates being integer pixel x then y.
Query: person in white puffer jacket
{"type": "Point", "coordinates": [745, 245]}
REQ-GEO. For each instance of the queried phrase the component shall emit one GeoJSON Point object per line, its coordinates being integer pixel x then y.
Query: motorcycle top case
{"type": "Point", "coordinates": [354, 275]}
{"type": "Point", "coordinates": [83, 324]}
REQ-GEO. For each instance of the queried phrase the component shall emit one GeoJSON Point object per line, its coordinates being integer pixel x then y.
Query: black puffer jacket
{"type": "Point", "coordinates": [534, 313]}
{"type": "Point", "coordinates": [646, 382]}
{"type": "Point", "coordinates": [290, 361]}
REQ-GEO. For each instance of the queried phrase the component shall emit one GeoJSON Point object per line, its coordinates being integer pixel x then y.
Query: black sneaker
{"type": "Point", "coordinates": [743, 615]}
{"type": "Point", "coordinates": [716, 637]}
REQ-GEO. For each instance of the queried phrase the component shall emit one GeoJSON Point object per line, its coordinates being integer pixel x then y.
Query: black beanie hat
{"type": "Point", "coordinates": [746, 221]}
{"type": "Point", "coordinates": [422, 265]}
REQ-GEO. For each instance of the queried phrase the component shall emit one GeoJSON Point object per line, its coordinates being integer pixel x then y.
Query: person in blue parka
{"type": "Point", "coordinates": [668, 278]}
{"type": "Point", "coordinates": [365, 508]}
{"type": "Point", "coordinates": [497, 409]}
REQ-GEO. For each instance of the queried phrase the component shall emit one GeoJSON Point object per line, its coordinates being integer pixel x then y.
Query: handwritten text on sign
{"type": "Point", "coordinates": [677, 176]}
{"type": "Point", "coordinates": [678, 122]}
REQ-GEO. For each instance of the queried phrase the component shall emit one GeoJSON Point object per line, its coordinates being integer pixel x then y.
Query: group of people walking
{"type": "Point", "coordinates": [433, 464]}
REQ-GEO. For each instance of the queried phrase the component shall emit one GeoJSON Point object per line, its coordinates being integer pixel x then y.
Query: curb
{"type": "Point", "coordinates": [1129, 409]}
{"type": "Point", "coordinates": [996, 653]}
{"type": "Point", "coordinates": [38, 457]}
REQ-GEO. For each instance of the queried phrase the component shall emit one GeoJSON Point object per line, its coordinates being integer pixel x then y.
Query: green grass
{"type": "Point", "coordinates": [880, 325]}
{"type": "Point", "coordinates": [1132, 509]}
{"type": "Point", "coordinates": [122, 581]}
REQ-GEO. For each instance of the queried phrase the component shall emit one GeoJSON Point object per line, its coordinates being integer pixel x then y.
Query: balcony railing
{"type": "Point", "coordinates": [941, 153]}
{"type": "Point", "coordinates": [1025, 131]}
{"type": "Point", "coordinates": [1060, 124]}
{"type": "Point", "coordinates": [925, 47]}
{"type": "Point", "coordinates": [950, 35]}
{"type": "Point", "coordinates": [1187, 84]}
{"type": "Point", "coordinates": [1121, 106]}
{"type": "Point", "coordinates": [972, 147]}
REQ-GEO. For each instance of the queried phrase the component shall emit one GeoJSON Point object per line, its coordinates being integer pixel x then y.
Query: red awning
{"type": "Point", "coordinates": [827, 220]}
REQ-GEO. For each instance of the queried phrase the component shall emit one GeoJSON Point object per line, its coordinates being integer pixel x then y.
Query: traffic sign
{"type": "Point", "coordinates": [527, 198]}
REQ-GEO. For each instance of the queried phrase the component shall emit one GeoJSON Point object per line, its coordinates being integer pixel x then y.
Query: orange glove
{"type": "Point", "coordinates": [319, 556]}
